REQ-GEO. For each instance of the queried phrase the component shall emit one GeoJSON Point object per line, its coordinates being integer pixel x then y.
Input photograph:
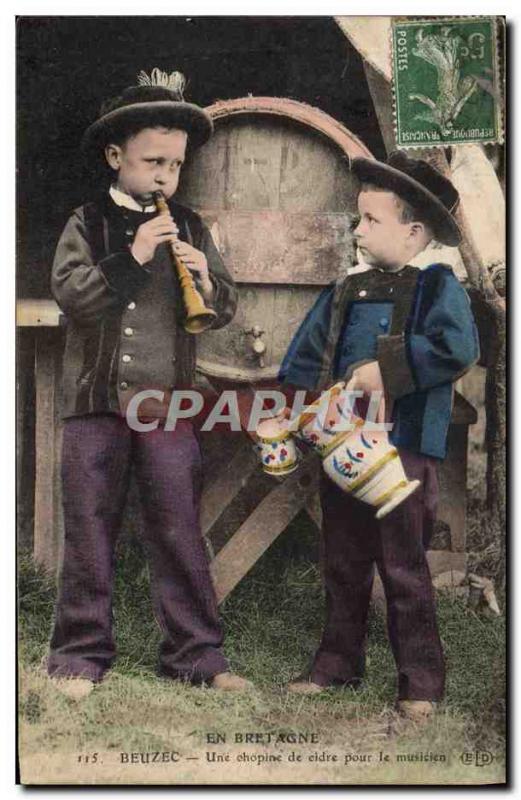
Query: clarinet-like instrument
{"type": "Point", "coordinates": [198, 316]}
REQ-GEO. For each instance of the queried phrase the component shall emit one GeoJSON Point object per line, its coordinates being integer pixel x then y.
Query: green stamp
{"type": "Point", "coordinates": [446, 81]}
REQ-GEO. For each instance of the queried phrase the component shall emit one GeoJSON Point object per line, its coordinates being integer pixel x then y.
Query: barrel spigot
{"type": "Point", "coordinates": [258, 346]}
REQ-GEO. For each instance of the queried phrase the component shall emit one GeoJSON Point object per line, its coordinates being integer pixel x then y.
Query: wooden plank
{"type": "Point", "coordinates": [47, 506]}
{"type": "Point", "coordinates": [381, 95]}
{"type": "Point", "coordinates": [263, 526]}
{"type": "Point", "coordinates": [276, 247]}
{"type": "Point", "coordinates": [254, 165]}
{"type": "Point", "coordinates": [204, 175]}
{"type": "Point", "coordinates": [220, 493]}
{"type": "Point", "coordinates": [273, 153]}
{"type": "Point", "coordinates": [238, 168]}
{"type": "Point", "coordinates": [314, 174]}
{"type": "Point", "coordinates": [264, 161]}
{"type": "Point", "coordinates": [38, 313]}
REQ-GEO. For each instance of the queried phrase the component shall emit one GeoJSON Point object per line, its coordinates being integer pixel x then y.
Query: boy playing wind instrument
{"type": "Point", "coordinates": [113, 277]}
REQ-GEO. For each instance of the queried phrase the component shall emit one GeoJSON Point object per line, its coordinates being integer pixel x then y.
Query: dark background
{"type": "Point", "coordinates": [68, 65]}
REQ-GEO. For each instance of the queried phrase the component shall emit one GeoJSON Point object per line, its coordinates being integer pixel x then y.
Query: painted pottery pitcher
{"type": "Point", "coordinates": [356, 458]}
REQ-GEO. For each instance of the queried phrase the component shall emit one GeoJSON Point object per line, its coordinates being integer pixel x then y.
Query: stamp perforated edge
{"type": "Point", "coordinates": [498, 25]}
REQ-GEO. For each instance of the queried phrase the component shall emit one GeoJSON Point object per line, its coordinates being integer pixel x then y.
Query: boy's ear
{"type": "Point", "coordinates": [421, 234]}
{"type": "Point", "coordinates": [113, 156]}
{"type": "Point", "coordinates": [417, 229]}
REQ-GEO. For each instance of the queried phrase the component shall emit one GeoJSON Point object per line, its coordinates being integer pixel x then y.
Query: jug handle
{"type": "Point", "coordinates": [380, 414]}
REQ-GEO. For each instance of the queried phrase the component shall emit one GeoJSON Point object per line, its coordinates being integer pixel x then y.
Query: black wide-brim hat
{"type": "Point", "coordinates": [420, 185]}
{"type": "Point", "coordinates": [145, 106]}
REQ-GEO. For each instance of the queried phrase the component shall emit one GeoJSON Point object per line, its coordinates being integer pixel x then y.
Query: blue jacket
{"type": "Point", "coordinates": [419, 327]}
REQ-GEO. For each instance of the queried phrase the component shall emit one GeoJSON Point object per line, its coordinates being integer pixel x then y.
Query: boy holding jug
{"type": "Point", "coordinates": [409, 334]}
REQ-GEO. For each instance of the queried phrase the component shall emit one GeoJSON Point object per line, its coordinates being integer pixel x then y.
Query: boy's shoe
{"type": "Point", "coordinates": [418, 711]}
{"type": "Point", "coordinates": [228, 682]}
{"type": "Point", "coordinates": [73, 688]}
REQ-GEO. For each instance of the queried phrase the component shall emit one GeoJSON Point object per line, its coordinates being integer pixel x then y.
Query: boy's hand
{"type": "Point", "coordinates": [150, 234]}
{"type": "Point", "coordinates": [366, 378]}
{"type": "Point", "coordinates": [163, 229]}
{"type": "Point", "coordinates": [196, 261]}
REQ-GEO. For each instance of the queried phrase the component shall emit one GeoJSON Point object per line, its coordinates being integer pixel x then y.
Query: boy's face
{"type": "Point", "coordinates": [149, 161]}
{"type": "Point", "coordinates": [383, 239]}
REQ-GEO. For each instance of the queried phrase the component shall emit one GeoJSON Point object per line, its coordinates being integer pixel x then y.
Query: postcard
{"type": "Point", "coordinates": [261, 400]}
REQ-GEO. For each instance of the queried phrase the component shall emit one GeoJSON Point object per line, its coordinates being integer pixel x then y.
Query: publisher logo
{"type": "Point", "coordinates": [477, 758]}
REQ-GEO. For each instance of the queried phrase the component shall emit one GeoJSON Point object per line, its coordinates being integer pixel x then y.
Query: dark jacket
{"type": "Point", "coordinates": [419, 327]}
{"type": "Point", "coordinates": [124, 321]}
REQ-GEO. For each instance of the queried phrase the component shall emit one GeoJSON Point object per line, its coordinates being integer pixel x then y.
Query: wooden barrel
{"type": "Point", "coordinates": [273, 185]}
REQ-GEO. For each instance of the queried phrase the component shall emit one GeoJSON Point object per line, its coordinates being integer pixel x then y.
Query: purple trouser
{"type": "Point", "coordinates": [353, 542]}
{"type": "Point", "coordinates": [98, 452]}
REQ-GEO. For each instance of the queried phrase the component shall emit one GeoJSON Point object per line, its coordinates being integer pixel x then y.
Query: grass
{"type": "Point", "coordinates": [272, 623]}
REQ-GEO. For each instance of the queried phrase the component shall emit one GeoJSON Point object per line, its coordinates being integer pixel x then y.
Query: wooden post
{"type": "Point", "coordinates": [48, 524]}
{"type": "Point", "coordinates": [381, 95]}
{"type": "Point", "coordinates": [25, 438]}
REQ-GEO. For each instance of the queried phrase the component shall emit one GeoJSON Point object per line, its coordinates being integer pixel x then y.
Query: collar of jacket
{"type": "Point", "coordinates": [112, 211]}
{"type": "Point", "coordinates": [124, 200]}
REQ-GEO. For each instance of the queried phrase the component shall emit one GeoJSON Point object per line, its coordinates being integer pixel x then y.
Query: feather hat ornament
{"type": "Point", "coordinates": [175, 81]}
{"type": "Point", "coordinates": [157, 100]}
